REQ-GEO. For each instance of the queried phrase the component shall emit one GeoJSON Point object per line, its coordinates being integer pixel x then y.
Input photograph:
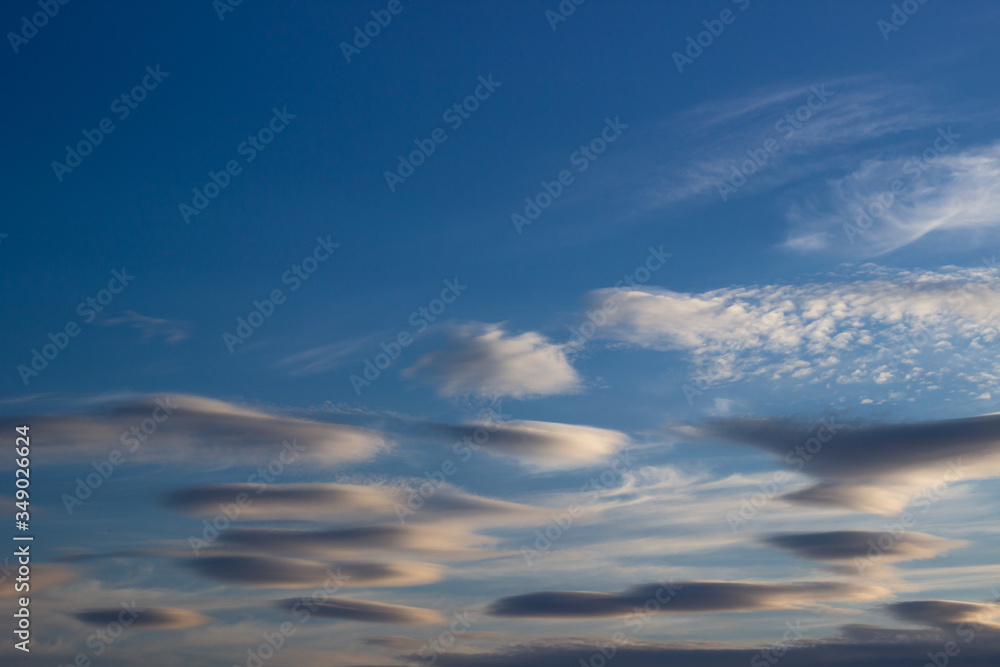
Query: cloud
{"type": "Point", "coordinates": [846, 545]}
{"type": "Point", "coordinates": [44, 576]}
{"type": "Point", "coordinates": [484, 360]}
{"type": "Point", "coordinates": [537, 444]}
{"type": "Point", "coordinates": [394, 641]}
{"type": "Point", "coordinates": [182, 428]}
{"type": "Point", "coordinates": [875, 468]}
{"type": "Point", "coordinates": [440, 520]}
{"type": "Point", "coordinates": [548, 445]}
{"type": "Point", "coordinates": [171, 331]}
{"type": "Point", "coordinates": [865, 134]}
{"type": "Point", "coordinates": [947, 614]}
{"type": "Point", "coordinates": [864, 214]}
{"type": "Point", "coordinates": [345, 502]}
{"type": "Point", "coordinates": [272, 572]}
{"type": "Point", "coordinates": [338, 541]}
{"type": "Point", "coordinates": [680, 597]}
{"type": "Point", "coordinates": [709, 140]}
{"type": "Point", "coordinates": [882, 326]}
{"type": "Point", "coordinates": [151, 618]}
{"type": "Point", "coordinates": [324, 358]}
{"type": "Point", "coordinates": [274, 501]}
{"type": "Point", "coordinates": [357, 610]}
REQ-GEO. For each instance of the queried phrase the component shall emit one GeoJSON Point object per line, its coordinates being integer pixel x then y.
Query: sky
{"type": "Point", "coordinates": [531, 333]}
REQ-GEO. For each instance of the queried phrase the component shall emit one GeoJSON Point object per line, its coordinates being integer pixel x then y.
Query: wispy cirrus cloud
{"type": "Point", "coordinates": [839, 149]}
{"type": "Point", "coordinates": [888, 203]}
{"type": "Point", "coordinates": [843, 117]}
{"type": "Point", "coordinates": [169, 330]}
{"type": "Point", "coordinates": [324, 358]}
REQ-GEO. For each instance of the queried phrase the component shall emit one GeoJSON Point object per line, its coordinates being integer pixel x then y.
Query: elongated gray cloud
{"type": "Point", "coordinates": [358, 610]}
{"type": "Point", "coordinates": [192, 429]}
{"type": "Point", "coordinates": [874, 468]}
{"type": "Point", "coordinates": [349, 502]}
{"type": "Point", "coordinates": [680, 597]}
{"type": "Point", "coordinates": [846, 545]}
{"type": "Point", "coordinates": [395, 642]}
{"type": "Point", "coordinates": [548, 445]}
{"type": "Point", "coordinates": [262, 501]}
{"type": "Point", "coordinates": [142, 618]}
{"type": "Point", "coordinates": [274, 572]}
{"type": "Point", "coordinates": [337, 542]}
{"type": "Point", "coordinates": [415, 516]}
{"type": "Point", "coordinates": [950, 613]}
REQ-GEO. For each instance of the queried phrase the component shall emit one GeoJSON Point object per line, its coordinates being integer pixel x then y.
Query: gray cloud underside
{"type": "Point", "coordinates": [689, 597]}
{"type": "Point", "coordinates": [544, 444]}
{"type": "Point", "coordinates": [273, 572]}
{"type": "Point", "coordinates": [872, 449]}
{"type": "Point", "coordinates": [876, 468]}
{"type": "Point", "coordinates": [949, 613]}
{"type": "Point", "coordinates": [357, 610]}
{"type": "Point", "coordinates": [357, 541]}
{"type": "Point", "coordinates": [151, 618]}
{"type": "Point", "coordinates": [846, 545]}
{"type": "Point", "coordinates": [351, 502]}
{"type": "Point", "coordinates": [183, 428]}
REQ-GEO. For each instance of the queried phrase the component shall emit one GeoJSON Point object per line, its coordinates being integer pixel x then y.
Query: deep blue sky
{"type": "Point", "coordinates": [324, 175]}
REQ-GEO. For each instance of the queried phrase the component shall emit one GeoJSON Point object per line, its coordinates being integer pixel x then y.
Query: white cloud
{"type": "Point", "coordinates": [554, 446]}
{"type": "Point", "coordinates": [874, 328]}
{"type": "Point", "coordinates": [484, 360]}
{"type": "Point", "coordinates": [861, 214]}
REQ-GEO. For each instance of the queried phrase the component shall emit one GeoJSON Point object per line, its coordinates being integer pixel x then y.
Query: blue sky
{"type": "Point", "coordinates": [487, 266]}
